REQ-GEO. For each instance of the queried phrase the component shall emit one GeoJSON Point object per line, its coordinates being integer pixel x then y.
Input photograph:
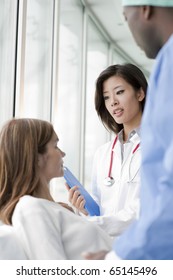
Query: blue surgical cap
{"type": "Point", "coordinates": [159, 3]}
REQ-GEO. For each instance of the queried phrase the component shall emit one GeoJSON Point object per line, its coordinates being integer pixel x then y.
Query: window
{"type": "Point", "coordinates": [95, 133]}
{"type": "Point", "coordinates": [67, 107]}
{"type": "Point", "coordinates": [8, 20]}
{"type": "Point", "coordinates": [34, 94]}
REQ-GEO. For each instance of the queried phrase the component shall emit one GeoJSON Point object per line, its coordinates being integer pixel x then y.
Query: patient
{"type": "Point", "coordinates": [29, 159]}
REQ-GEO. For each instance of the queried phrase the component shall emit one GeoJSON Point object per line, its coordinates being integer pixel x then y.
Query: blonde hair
{"type": "Point", "coordinates": [21, 140]}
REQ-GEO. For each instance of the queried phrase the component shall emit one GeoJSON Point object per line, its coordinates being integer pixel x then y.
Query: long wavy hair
{"type": "Point", "coordinates": [21, 140]}
{"type": "Point", "coordinates": [132, 75]}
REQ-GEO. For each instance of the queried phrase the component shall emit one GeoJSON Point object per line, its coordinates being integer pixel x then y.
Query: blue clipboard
{"type": "Point", "coordinates": [91, 206]}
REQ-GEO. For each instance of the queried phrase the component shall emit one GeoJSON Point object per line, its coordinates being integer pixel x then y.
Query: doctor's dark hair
{"type": "Point", "coordinates": [21, 142]}
{"type": "Point", "coordinates": [132, 75]}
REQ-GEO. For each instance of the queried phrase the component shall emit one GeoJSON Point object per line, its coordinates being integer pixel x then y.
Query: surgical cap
{"type": "Point", "coordinates": [159, 3]}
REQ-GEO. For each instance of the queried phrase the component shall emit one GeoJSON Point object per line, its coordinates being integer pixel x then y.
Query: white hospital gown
{"type": "Point", "coordinates": [49, 231]}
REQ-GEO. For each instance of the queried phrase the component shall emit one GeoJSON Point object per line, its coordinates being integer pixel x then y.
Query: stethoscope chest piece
{"type": "Point", "coordinates": [109, 181]}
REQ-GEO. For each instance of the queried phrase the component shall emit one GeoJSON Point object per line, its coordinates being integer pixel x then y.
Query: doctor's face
{"type": "Point", "coordinates": [51, 162]}
{"type": "Point", "coordinates": [122, 101]}
{"type": "Point", "coordinates": [143, 29]}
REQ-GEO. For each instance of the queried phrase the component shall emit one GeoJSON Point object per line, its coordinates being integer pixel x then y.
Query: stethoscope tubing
{"type": "Point", "coordinates": [110, 179]}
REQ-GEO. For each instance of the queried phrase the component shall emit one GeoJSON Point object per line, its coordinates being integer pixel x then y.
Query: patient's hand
{"type": "Point", "coordinates": [65, 205]}
{"type": "Point", "coordinates": [95, 256]}
{"type": "Point", "coordinates": [76, 199]}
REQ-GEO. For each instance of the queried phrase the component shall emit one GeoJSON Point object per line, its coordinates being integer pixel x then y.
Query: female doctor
{"type": "Point", "coordinates": [119, 102]}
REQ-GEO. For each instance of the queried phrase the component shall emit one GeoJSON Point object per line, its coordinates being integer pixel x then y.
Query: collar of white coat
{"type": "Point", "coordinates": [133, 136]}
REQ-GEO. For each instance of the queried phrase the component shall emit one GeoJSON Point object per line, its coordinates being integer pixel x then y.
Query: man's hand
{"type": "Point", "coordinates": [95, 256]}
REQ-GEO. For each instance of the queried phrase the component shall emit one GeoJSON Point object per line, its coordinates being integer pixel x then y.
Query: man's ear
{"type": "Point", "coordinates": [141, 95]}
{"type": "Point", "coordinates": [147, 11]}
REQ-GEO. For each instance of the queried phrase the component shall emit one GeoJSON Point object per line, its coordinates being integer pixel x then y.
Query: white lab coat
{"type": "Point", "coordinates": [49, 231]}
{"type": "Point", "coordinates": [119, 204]}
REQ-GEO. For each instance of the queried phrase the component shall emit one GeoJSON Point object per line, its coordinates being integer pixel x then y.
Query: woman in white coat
{"type": "Point", "coordinates": [119, 102]}
{"type": "Point", "coordinates": [29, 159]}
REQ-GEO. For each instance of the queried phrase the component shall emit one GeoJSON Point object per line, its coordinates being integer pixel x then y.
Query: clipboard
{"type": "Point", "coordinates": [91, 206]}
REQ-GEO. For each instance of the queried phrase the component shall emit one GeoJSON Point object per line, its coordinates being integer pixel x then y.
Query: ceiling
{"type": "Point", "coordinates": [109, 15]}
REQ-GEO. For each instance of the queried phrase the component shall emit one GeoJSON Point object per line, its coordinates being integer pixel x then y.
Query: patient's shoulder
{"type": "Point", "coordinates": [33, 209]}
{"type": "Point", "coordinates": [30, 204]}
{"type": "Point", "coordinates": [28, 200]}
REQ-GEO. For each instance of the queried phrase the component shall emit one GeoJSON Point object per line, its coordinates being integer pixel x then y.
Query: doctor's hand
{"type": "Point", "coordinates": [76, 199]}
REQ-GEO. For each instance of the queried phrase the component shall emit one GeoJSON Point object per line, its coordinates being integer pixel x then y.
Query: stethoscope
{"type": "Point", "coordinates": [109, 180]}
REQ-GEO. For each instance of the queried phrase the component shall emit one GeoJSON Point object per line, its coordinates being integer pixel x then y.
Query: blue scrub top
{"type": "Point", "coordinates": [151, 237]}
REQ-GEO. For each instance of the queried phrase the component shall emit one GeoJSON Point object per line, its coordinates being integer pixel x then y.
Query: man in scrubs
{"type": "Point", "coordinates": [151, 236]}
